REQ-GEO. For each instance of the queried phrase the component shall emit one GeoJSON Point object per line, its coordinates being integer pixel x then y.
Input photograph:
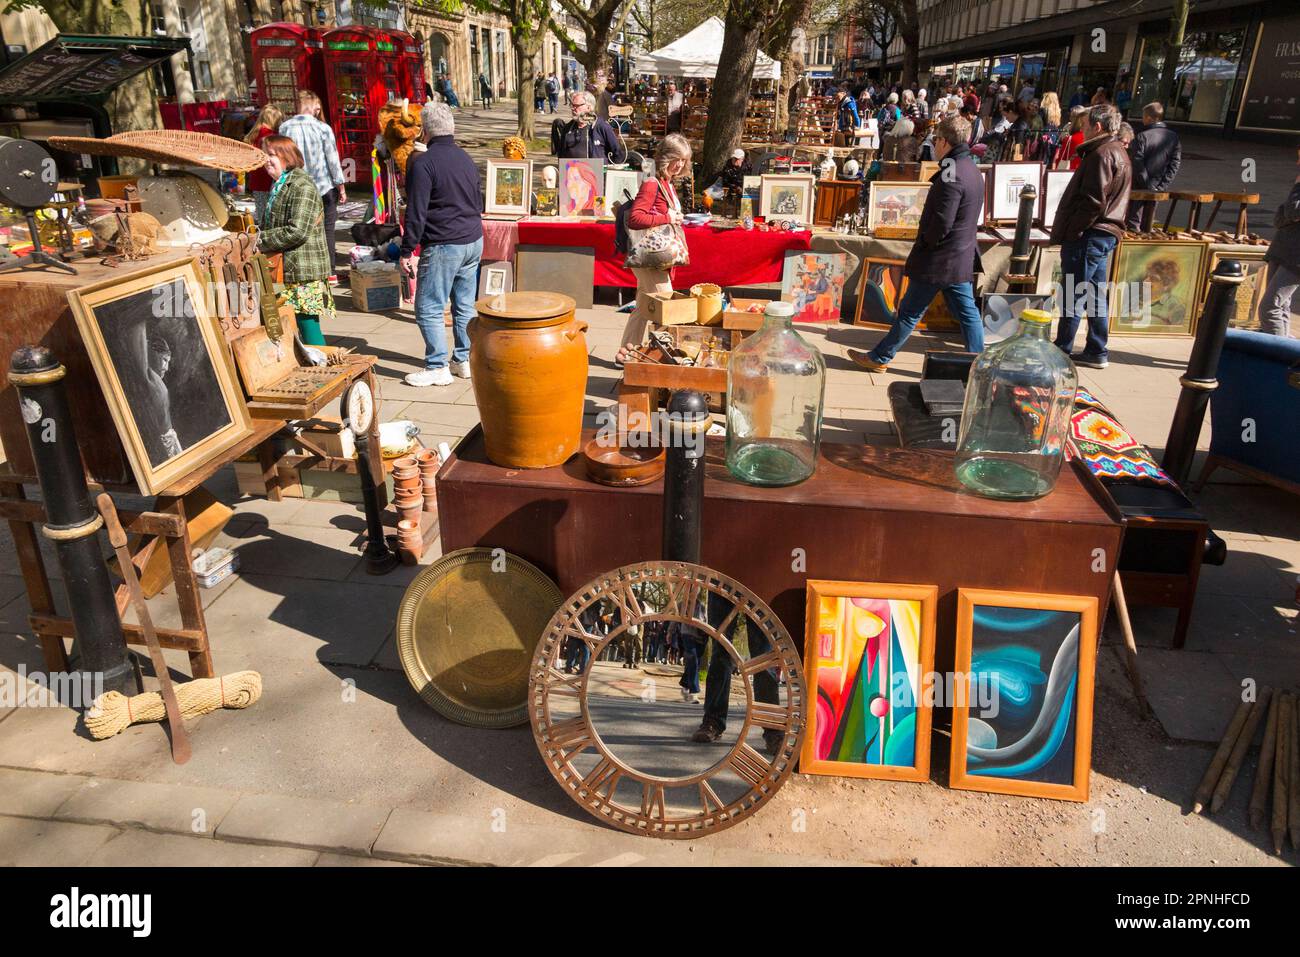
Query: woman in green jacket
{"type": "Point", "coordinates": [291, 224]}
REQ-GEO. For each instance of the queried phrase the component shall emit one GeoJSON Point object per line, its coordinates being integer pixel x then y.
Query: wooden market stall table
{"type": "Point", "coordinates": [728, 257]}
{"type": "Point", "coordinates": [34, 309]}
{"type": "Point", "coordinates": [868, 514]}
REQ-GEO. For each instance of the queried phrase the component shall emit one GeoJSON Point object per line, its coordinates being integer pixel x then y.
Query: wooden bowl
{"type": "Point", "coordinates": [622, 466]}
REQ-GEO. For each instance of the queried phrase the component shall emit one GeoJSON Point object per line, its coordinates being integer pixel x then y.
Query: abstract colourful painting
{"type": "Point", "coordinates": [814, 282]}
{"type": "Point", "coordinates": [868, 658]}
{"type": "Point", "coordinates": [1022, 711]}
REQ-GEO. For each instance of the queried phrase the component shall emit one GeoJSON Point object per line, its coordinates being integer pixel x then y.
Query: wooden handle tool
{"type": "Point", "coordinates": [117, 538]}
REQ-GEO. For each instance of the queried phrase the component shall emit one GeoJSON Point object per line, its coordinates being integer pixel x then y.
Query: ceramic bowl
{"type": "Point", "coordinates": [622, 466]}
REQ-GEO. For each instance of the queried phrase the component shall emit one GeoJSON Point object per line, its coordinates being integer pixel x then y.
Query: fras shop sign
{"type": "Point", "coordinates": [1272, 98]}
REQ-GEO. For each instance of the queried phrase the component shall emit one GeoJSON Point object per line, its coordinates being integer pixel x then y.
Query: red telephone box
{"type": "Point", "coordinates": [287, 58]}
{"type": "Point", "coordinates": [355, 92]}
{"type": "Point", "coordinates": [412, 68]}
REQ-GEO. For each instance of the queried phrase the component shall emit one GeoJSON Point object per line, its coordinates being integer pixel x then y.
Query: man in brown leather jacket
{"type": "Point", "coordinates": [1089, 223]}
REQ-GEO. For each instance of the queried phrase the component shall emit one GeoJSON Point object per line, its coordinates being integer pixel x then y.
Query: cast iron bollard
{"type": "Point", "coordinates": [688, 420]}
{"type": "Point", "coordinates": [72, 522]}
{"type": "Point", "coordinates": [1202, 369]}
{"type": "Point", "coordinates": [1024, 226]}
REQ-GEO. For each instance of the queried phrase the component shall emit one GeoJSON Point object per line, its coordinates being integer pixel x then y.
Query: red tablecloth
{"type": "Point", "coordinates": [728, 257]}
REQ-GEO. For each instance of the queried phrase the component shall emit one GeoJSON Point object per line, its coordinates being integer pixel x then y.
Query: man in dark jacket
{"type": "Point", "coordinates": [444, 217]}
{"type": "Point", "coordinates": [586, 136]}
{"type": "Point", "coordinates": [1283, 258]}
{"type": "Point", "coordinates": [945, 256]}
{"type": "Point", "coordinates": [1157, 156]}
{"type": "Point", "coordinates": [1089, 223]}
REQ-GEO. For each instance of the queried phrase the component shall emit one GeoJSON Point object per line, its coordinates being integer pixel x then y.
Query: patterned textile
{"type": "Point", "coordinates": [311, 299]}
{"type": "Point", "coordinates": [1106, 447]}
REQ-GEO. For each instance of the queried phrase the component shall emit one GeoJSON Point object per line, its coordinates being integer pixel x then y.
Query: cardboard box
{"type": "Point", "coordinates": [376, 290]}
{"type": "Point", "coordinates": [677, 310]}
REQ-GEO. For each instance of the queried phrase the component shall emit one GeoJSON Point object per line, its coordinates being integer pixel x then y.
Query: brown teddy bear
{"type": "Point", "coordinates": [400, 123]}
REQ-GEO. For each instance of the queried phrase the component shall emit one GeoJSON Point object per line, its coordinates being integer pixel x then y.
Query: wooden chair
{"type": "Point", "coordinates": [1197, 200]}
{"type": "Point", "coordinates": [1148, 199]}
{"type": "Point", "coordinates": [1244, 201]}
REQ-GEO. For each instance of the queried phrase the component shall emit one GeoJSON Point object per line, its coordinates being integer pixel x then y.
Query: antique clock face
{"type": "Point", "coordinates": [616, 709]}
{"type": "Point", "coordinates": [359, 407]}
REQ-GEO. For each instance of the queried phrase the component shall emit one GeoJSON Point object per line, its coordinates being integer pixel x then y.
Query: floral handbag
{"type": "Point", "coordinates": [659, 247]}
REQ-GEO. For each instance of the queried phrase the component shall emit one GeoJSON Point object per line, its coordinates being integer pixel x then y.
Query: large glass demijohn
{"type": "Point", "coordinates": [1017, 414]}
{"type": "Point", "coordinates": [776, 384]}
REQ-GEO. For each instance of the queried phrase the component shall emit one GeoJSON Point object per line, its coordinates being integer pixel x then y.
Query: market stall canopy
{"type": "Point", "coordinates": [696, 55]}
{"type": "Point", "coordinates": [79, 67]}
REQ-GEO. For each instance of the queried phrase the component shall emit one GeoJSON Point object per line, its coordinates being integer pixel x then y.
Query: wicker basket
{"type": "Point", "coordinates": [172, 147]}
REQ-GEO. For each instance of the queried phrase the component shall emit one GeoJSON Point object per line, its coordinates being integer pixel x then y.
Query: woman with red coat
{"type": "Point", "coordinates": [656, 205]}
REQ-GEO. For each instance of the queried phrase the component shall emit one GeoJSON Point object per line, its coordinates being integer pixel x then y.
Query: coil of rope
{"type": "Point", "coordinates": [113, 712]}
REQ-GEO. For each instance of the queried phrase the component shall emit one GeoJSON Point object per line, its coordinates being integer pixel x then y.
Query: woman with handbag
{"type": "Point", "coordinates": [291, 225]}
{"type": "Point", "coordinates": [656, 242]}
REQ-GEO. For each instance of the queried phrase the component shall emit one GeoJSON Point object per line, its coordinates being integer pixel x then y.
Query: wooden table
{"type": "Point", "coordinates": [869, 513]}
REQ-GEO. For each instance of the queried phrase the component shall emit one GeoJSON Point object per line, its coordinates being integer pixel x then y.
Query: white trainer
{"type": "Point", "coordinates": [429, 377]}
{"type": "Point", "coordinates": [460, 370]}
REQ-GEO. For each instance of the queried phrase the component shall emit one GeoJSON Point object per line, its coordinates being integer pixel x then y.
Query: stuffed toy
{"type": "Point", "coordinates": [400, 123]}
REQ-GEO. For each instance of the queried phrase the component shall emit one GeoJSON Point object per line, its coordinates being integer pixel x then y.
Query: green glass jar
{"type": "Point", "coordinates": [1016, 417]}
{"type": "Point", "coordinates": [776, 386]}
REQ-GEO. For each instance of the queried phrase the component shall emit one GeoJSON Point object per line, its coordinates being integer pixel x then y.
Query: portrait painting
{"type": "Point", "coordinates": [166, 374]}
{"type": "Point", "coordinates": [814, 282]}
{"type": "Point", "coordinates": [581, 181]}
{"type": "Point", "coordinates": [495, 279]}
{"type": "Point", "coordinates": [1022, 707]}
{"type": "Point", "coordinates": [869, 649]}
{"type": "Point", "coordinates": [508, 186]}
{"type": "Point", "coordinates": [1155, 287]}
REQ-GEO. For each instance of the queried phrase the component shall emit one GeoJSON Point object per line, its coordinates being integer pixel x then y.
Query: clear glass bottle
{"type": "Point", "coordinates": [1017, 414]}
{"type": "Point", "coordinates": [776, 385]}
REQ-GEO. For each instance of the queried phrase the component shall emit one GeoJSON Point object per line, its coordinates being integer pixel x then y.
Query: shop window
{"type": "Point", "coordinates": [1206, 72]}
{"type": "Point", "coordinates": [203, 74]}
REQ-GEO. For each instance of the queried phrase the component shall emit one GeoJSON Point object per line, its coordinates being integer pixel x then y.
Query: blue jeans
{"type": "Point", "coordinates": [553, 101]}
{"type": "Point", "coordinates": [960, 297]}
{"type": "Point", "coordinates": [446, 272]}
{"type": "Point", "coordinates": [1085, 269]}
{"type": "Point", "coordinates": [692, 652]}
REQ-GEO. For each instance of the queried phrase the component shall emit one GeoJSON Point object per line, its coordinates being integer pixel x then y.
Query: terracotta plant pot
{"type": "Point", "coordinates": [426, 457]}
{"type": "Point", "coordinates": [405, 463]}
{"type": "Point", "coordinates": [528, 358]}
{"type": "Point", "coordinates": [412, 482]}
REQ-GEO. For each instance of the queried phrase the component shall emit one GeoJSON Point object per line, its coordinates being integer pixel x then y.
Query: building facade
{"type": "Point", "coordinates": [1238, 69]}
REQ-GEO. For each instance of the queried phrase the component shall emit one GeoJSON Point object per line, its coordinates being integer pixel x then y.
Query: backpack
{"type": "Point", "coordinates": [888, 116]}
{"type": "Point", "coordinates": [550, 87]}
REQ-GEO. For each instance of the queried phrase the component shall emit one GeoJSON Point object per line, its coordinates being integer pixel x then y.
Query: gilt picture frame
{"type": "Point", "coordinates": [508, 187]}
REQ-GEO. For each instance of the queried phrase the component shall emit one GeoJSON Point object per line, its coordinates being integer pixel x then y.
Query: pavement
{"type": "Point", "coordinates": [340, 763]}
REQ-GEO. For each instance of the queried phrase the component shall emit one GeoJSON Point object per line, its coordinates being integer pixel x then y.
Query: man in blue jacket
{"type": "Point", "coordinates": [945, 256]}
{"type": "Point", "coordinates": [444, 217]}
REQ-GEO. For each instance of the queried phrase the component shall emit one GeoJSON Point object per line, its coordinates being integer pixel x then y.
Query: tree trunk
{"type": "Point", "coordinates": [730, 97]}
{"type": "Point", "coordinates": [526, 49]}
{"type": "Point", "coordinates": [1173, 48]}
{"type": "Point", "coordinates": [910, 30]}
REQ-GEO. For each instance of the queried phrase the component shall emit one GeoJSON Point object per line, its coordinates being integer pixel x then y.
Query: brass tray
{"type": "Point", "coordinates": [467, 630]}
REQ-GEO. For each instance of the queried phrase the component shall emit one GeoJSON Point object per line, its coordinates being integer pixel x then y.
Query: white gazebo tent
{"type": "Point", "coordinates": [696, 55]}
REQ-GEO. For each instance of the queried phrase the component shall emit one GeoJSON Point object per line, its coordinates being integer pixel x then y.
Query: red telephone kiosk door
{"type": "Point", "coordinates": [286, 58]}
{"type": "Point", "coordinates": [412, 67]}
{"type": "Point", "coordinates": [388, 58]}
{"type": "Point", "coordinates": [355, 94]}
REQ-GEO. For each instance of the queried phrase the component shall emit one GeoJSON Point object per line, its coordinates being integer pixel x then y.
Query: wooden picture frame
{"type": "Point", "coordinates": [1007, 179]}
{"type": "Point", "coordinates": [888, 275]}
{"type": "Point", "coordinates": [1174, 271]}
{"type": "Point", "coordinates": [496, 278]}
{"type": "Point", "coordinates": [143, 331]}
{"type": "Point", "coordinates": [512, 175]}
{"type": "Point", "coordinates": [835, 647]}
{"type": "Point", "coordinates": [1020, 636]}
{"type": "Point", "coordinates": [894, 208]}
{"type": "Point", "coordinates": [1250, 292]}
{"type": "Point", "coordinates": [787, 197]}
{"type": "Point", "coordinates": [1054, 183]}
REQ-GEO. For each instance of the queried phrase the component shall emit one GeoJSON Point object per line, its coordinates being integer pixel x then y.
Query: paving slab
{"type": "Point", "coordinates": [144, 849]}
{"type": "Point", "coordinates": [1192, 693]}
{"type": "Point", "coordinates": [308, 822]}
{"type": "Point", "coordinates": [326, 859]}
{"type": "Point", "coordinates": [175, 808]}
{"type": "Point", "coordinates": [29, 843]}
{"type": "Point", "coordinates": [36, 793]}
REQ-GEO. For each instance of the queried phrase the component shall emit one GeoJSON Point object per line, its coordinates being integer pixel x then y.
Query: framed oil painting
{"type": "Point", "coordinates": [1054, 183]}
{"type": "Point", "coordinates": [877, 306]}
{"type": "Point", "coordinates": [1251, 289]}
{"type": "Point", "coordinates": [1022, 716]}
{"type": "Point", "coordinates": [496, 278]}
{"type": "Point", "coordinates": [869, 654]}
{"type": "Point", "coordinates": [814, 282]}
{"type": "Point", "coordinates": [621, 186]}
{"type": "Point", "coordinates": [1156, 287]}
{"type": "Point", "coordinates": [1008, 180]}
{"type": "Point", "coordinates": [546, 201]}
{"type": "Point", "coordinates": [167, 375]}
{"type": "Point", "coordinates": [508, 185]}
{"type": "Point", "coordinates": [787, 197]}
{"type": "Point", "coordinates": [581, 182]}
{"type": "Point", "coordinates": [894, 209]}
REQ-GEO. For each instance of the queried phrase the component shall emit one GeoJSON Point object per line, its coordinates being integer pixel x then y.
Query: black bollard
{"type": "Point", "coordinates": [1200, 379]}
{"type": "Point", "coordinates": [380, 559]}
{"type": "Point", "coordinates": [1024, 226]}
{"type": "Point", "coordinates": [688, 421]}
{"type": "Point", "coordinates": [99, 649]}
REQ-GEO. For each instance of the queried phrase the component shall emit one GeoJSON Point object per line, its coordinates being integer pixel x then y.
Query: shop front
{"type": "Point", "coordinates": [1208, 73]}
